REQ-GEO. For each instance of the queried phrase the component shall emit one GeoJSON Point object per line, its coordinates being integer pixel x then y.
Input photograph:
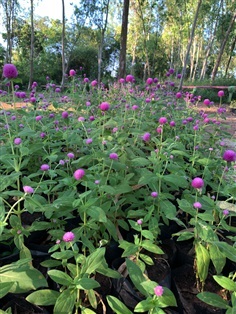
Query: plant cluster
{"type": "Point", "coordinates": [95, 164]}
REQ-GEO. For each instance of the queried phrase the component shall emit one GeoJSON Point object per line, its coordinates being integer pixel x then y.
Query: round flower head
{"type": "Point", "coordinates": [94, 83]}
{"type": "Point", "coordinates": [139, 221]}
{"type": "Point", "coordinates": [113, 156]}
{"type": "Point", "coordinates": [197, 205]}
{"type": "Point", "coordinates": [129, 78]}
{"type": "Point", "coordinates": [229, 155]}
{"type": "Point", "coordinates": [163, 120]}
{"type": "Point", "coordinates": [17, 141]}
{"type": "Point", "coordinates": [121, 80]}
{"type": "Point", "coordinates": [171, 71]}
{"type": "Point", "coordinates": [78, 174]}
{"type": "Point", "coordinates": [158, 290]}
{"type": "Point", "coordinates": [221, 93]}
{"type": "Point", "coordinates": [10, 71]}
{"type": "Point", "coordinates": [149, 81]}
{"type": "Point", "coordinates": [197, 183]}
{"type": "Point", "coordinates": [146, 137]}
{"type": "Point", "coordinates": [206, 102]}
{"type": "Point", "coordinates": [68, 236]}
{"type": "Point", "coordinates": [154, 194]}
{"type": "Point", "coordinates": [178, 95]}
{"type": "Point", "coordinates": [104, 106]}
{"type": "Point", "coordinates": [71, 155]}
{"type": "Point", "coordinates": [89, 141]}
{"type": "Point", "coordinates": [172, 123]}
{"type": "Point", "coordinates": [72, 72]}
{"type": "Point", "coordinates": [45, 167]}
{"type": "Point", "coordinates": [64, 114]}
{"type": "Point", "coordinates": [225, 212]}
{"type": "Point", "coordinates": [28, 189]}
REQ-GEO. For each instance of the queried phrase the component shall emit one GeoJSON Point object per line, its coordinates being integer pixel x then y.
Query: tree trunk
{"type": "Point", "coordinates": [31, 44]}
{"type": "Point", "coordinates": [190, 43]}
{"type": "Point", "coordinates": [230, 56]}
{"type": "Point", "coordinates": [63, 61]}
{"type": "Point", "coordinates": [215, 69]}
{"type": "Point", "coordinates": [123, 39]}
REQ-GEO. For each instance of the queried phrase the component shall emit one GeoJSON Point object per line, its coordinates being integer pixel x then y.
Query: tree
{"type": "Point", "coordinates": [218, 60]}
{"type": "Point", "coordinates": [123, 39]}
{"type": "Point", "coordinates": [190, 42]}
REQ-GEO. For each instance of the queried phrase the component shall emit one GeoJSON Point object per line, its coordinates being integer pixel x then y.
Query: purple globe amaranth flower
{"type": "Point", "coordinates": [89, 141]}
{"type": "Point", "coordinates": [146, 137]}
{"type": "Point", "coordinates": [45, 167]}
{"type": "Point", "coordinates": [71, 155]}
{"type": "Point", "coordinates": [197, 205]}
{"type": "Point", "coordinates": [172, 123]}
{"type": "Point", "coordinates": [72, 72]}
{"type": "Point", "coordinates": [122, 81]}
{"type": "Point", "coordinates": [229, 155]}
{"type": "Point", "coordinates": [28, 189]}
{"type": "Point", "coordinates": [68, 236]}
{"type": "Point", "coordinates": [129, 78]}
{"type": "Point", "coordinates": [10, 71]}
{"type": "Point", "coordinates": [135, 107]}
{"type": "Point", "coordinates": [94, 83]}
{"type": "Point", "coordinates": [206, 102]}
{"type": "Point", "coordinates": [221, 93]}
{"type": "Point", "coordinates": [149, 81]}
{"type": "Point", "coordinates": [42, 134]}
{"type": "Point", "coordinates": [113, 156]}
{"type": "Point", "coordinates": [86, 80]}
{"type": "Point", "coordinates": [178, 95]}
{"type": "Point", "coordinates": [171, 71]}
{"type": "Point", "coordinates": [154, 194]}
{"type": "Point", "coordinates": [159, 130]}
{"type": "Point", "coordinates": [97, 181]}
{"type": "Point", "coordinates": [81, 119]}
{"type": "Point", "coordinates": [225, 212]}
{"type": "Point", "coordinates": [78, 174]}
{"type": "Point", "coordinates": [139, 221]}
{"type": "Point", "coordinates": [64, 114]}
{"type": "Point", "coordinates": [17, 141]}
{"type": "Point", "coordinates": [197, 183]}
{"type": "Point", "coordinates": [158, 291]}
{"type": "Point", "coordinates": [163, 120]}
{"type": "Point", "coordinates": [38, 118]}
{"type": "Point", "coordinates": [104, 106]}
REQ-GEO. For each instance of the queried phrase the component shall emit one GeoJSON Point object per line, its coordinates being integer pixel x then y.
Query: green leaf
{"type": "Point", "coordinates": [147, 259]}
{"type": "Point", "coordinates": [97, 213]}
{"type": "Point", "coordinates": [60, 277]}
{"type": "Point", "coordinates": [167, 299]}
{"type": "Point", "coordinates": [225, 283]}
{"type": "Point", "coordinates": [86, 283]}
{"type": "Point", "coordinates": [93, 261]}
{"type": "Point", "coordinates": [202, 261]}
{"type": "Point", "coordinates": [43, 297]}
{"type": "Point", "coordinates": [144, 305]}
{"type": "Point", "coordinates": [117, 306]}
{"type": "Point", "coordinates": [228, 250]}
{"type": "Point", "coordinates": [25, 278]}
{"type": "Point", "coordinates": [65, 302]}
{"type": "Point", "coordinates": [50, 263]}
{"type": "Point", "coordinates": [63, 255]}
{"type": "Point", "coordinates": [176, 180]}
{"type": "Point", "coordinates": [218, 258]}
{"type": "Point", "coordinates": [136, 276]}
{"type": "Point", "coordinates": [213, 299]}
{"type": "Point", "coordinates": [151, 247]}
{"type": "Point", "coordinates": [129, 248]}
{"type": "Point", "coordinates": [8, 180]}
{"type": "Point", "coordinates": [140, 162]}
{"type": "Point", "coordinates": [186, 235]}
{"type": "Point", "coordinates": [5, 288]}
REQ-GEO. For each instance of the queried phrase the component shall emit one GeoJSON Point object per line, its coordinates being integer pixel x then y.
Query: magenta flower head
{"type": "Point", "coordinates": [149, 81]}
{"type": "Point", "coordinates": [139, 221]}
{"type": "Point", "coordinates": [172, 123]}
{"type": "Point", "coordinates": [72, 72]}
{"type": "Point", "coordinates": [38, 118]}
{"type": "Point", "coordinates": [129, 78]}
{"type": "Point", "coordinates": [70, 155]}
{"type": "Point", "coordinates": [64, 114]}
{"type": "Point", "coordinates": [178, 95]}
{"type": "Point", "coordinates": [146, 137]}
{"type": "Point", "coordinates": [197, 183]}
{"type": "Point", "coordinates": [171, 71]}
{"type": "Point", "coordinates": [154, 194]}
{"type": "Point", "coordinates": [163, 120]}
{"type": "Point", "coordinates": [68, 237]}
{"type": "Point", "coordinates": [28, 189]}
{"type": "Point", "coordinates": [86, 80]}
{"type": "Point", "coordinates": [45, 167]}
{"type": "Point", "coordinates": [197, 205]}
{"type": "Point", "coordinates": [94, 83]}
{"type": "Point", "coordinates": [206, 102]}
{"type": "Point", "coordinates": [225, 212]}
{"type": "Point", "coordinates": [17, 141]}
{"type": "Point", "coordinates": [78, 174]}
{"type": "Point", "coordinates": [229, 155]}
{"type": "Point", "coordinates": [89, 140]}
{"type": "Point", "coordinates": [10, 71]}
{"type": "Point", "coordinates": [179, 76]}
{"type": "Point", "coordinates": [221, 93]}
{"type": "Point", "coordinates": [113, 156]}
{"type": "Point", "coordinates": [104, 106]}
{"type": "Point", "coordinates": [158, 290]}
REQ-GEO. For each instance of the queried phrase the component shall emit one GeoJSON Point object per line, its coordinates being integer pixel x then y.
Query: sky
{"type": "Point", "coordinates": [53, 8]}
